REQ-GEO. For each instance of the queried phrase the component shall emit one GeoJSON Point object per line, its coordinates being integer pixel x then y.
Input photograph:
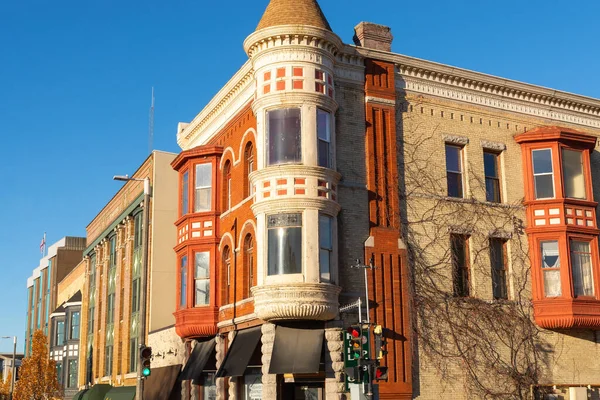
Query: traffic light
{"type": "Point", "coordinates": [356, 341]}
{"type": "Point", "coordinates": [381, 373]}
{"type": "Point", "coordinates": [380, 342]}
{"type": "Point", "coordinates": [145, 358]}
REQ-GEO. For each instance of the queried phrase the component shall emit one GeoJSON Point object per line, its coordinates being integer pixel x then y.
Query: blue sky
{"type": "Point", "coordinates": [76, 76]}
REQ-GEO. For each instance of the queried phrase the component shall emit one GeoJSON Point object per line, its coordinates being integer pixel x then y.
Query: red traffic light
{"type": "Point", "coordinates": [353, 331]}
{"type": "Point", "coordinates": [146, 352]}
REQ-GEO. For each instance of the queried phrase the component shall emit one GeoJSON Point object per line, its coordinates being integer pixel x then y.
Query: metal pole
{"type": "Point", "coordinates": [14, 370]}
{"type": "Point", "coordinates": [139, 390]}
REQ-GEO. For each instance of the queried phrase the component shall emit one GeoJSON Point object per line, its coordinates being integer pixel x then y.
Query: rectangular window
{"type": "Point", "coordinates": [108, 359]}
{"type": "Point", "coordinates": [460, 264]}
{"type": "Point", "coordinates": [202, 278]}
{"type": "Point", "coordinates": [60, 333]}
{"type": "Point", "coordinates": [551, 268]}
{"type": "Point", "coordinates": [184, 193]}
{"type": "Point", "coordinates": [284, 136]}
{"type": "Point", "coordinates": [572, 164]}
{"type": "Point", "coordinates": [183, 277]}
{"type": "Point", "coordinates": [72, 372]}
{"type": "Point", "coordinates": [581, 263]}
{"type": "Point", "coordinates": [543, 174]}
{"type": "Point", "coordinates": [325, 247]}
{"type": "Point", "coordinates": [133, 354]}
{"type": "Point", "coordinates": [285, 244]}
{"type": "Point", "coordinates": [491, 162]}
{"type": "Point", "coordinates": [498, 262]}
{"type": "Point", "coordinates": [324, 137]}
{"type": "Point", "coordinates": [454, 171]}
{"type": "Point", "coordinates": [203, 193]}
{"type": "Point", "coordinates": [74, 325]}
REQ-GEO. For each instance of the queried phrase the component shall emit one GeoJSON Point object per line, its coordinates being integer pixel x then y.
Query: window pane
{"type": "Point", "coordinates": [581, 262]}
{"type": "Point", "coordinates": [550, 267]}
{"type": "Point", "coordinates": [490, 164]}
{"type": "Point", "coordinates": [75, 325]}
{"type": "Point", "coordinates": [284, 132]}
{"type": "Point", "coordinates": [202, 294]}
{"type": "Point", "coordinates": [202, 264]}
{"type": "Point", "coordinates": [324, 158]}
{"type": "Point", "coordinates": [325, 239]}
{"type": "Point", "coordinates": [453, 161]}
{"type": "Point", "coordinates": [285, 251]}
{"type": "Point", "coordinates": [183, 275]}
{"type": "Point", "coordinates": [542, 161]}
{"type": "Point", "coordinates": [492, 190]}
{"type": "Point", "coordinates": [323, 125]}
{"type": "Point", "coordinates": [572, 163]}
{"type": "Point", "coordinates": [460, 271]}
{"type": "Point", "coordinates": [324, 265]}
{"type": "Point", "coordinates": [544, 186]}
{"type": "Point", "coordinates": [202, 195]}
{"type": "Point", "coordinates": [184, 194]}
{"type": "Point", "coordinates": [454, 184]}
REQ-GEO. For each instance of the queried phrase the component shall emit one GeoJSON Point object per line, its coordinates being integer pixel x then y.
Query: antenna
{"type": "Point", "coordinates": [151, 124]}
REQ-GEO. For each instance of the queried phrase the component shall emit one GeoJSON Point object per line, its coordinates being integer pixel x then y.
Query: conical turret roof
{"type": "Point", "coordinates": [293, 12]}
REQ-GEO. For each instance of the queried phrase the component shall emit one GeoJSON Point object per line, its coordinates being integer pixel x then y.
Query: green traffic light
{"type": "Point", "coordinates": [146, 371]}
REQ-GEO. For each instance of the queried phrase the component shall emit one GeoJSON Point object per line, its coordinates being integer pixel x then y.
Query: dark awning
{"type": "Point", "coordinates": [239, 353]}
{"type": "Point", "coordinates": [198, 359]}
{"type": "Point", "coordinates": [79, 395]}
{"type": "Point", "coordinates": [296, 350]}
{"type": "Point", "coordinates": [159, 384]}
{"type": "Point", "coordinates": [121, 393]}
{"type": "Point", "coordinates": [96, 392]}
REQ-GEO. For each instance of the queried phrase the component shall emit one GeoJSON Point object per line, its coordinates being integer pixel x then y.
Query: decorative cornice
{"type": "Point", "coordinates": [453, 139]}
{"type": "Point", "coordinates": [496, 146]}
{"type": "Point", "coordinates": [232, 97]}
{"type": "Point", "coordinates": [295, 170]}
{"type": "Point", "coordinates": [380, 100]}
{"type": "Point", "coordinates": [291, 204]}
{"type": "Point", "coordinates": [278, 100]}
{"type": "Point", "coordinates": [481, 89]}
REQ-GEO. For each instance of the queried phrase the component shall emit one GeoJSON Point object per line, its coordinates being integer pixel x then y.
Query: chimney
{"type": "Point", "coordinates": [373, 36]}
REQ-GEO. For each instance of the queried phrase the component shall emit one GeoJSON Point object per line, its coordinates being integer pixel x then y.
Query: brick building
{"type": "Point", "coordinates": [471, 195]}
{"type": "Point", "coordinates": [110, 319]}
{"type": "Point", "coordinates": [42, 285]}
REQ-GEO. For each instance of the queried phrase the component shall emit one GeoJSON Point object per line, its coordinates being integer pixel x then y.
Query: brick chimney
{"type": "Point", "coordinates": [373, 36]}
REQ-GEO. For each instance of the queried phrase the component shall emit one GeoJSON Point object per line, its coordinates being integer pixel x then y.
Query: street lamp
{"type": "Point", "coordinates": [139, 390]}
{"type": "Point", "coordinates": [14, 369]}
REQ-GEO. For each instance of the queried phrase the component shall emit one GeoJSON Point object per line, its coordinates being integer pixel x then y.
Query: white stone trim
{"type": "Point", "coordinates": [458, 140]}
{"type": "Point", "coordinates": [496, 146]}
{"type": "Point", "coordinates": [380, 100]}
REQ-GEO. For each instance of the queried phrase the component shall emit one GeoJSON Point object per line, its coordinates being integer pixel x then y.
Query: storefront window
{"type": "Point", "coordinates": [209, 388]}
{"type": "Point", "coordinates": [253, 385]}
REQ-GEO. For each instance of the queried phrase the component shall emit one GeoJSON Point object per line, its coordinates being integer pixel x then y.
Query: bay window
{"type": "Point", "coordinates": [284, 244]}
{"type": "Point", "coordinates": [325, 247]}
{"type": "Point", "coordinates": [324, 138]}
{"type": "Point", "coordinates": [202, 278]}
{"type": "Point", "coordinates": [573, 176]}
{"type": "Point", "coordinates": [543, 173]}
{"type": "Point", "coordinates": [551, 268]}
{"type": "Point", "coordinates": [184, 193]}
{"type": "Point", "coordinates": [203, 192]}
{"type": "Point", "coordinates": [581, 265]}
{"type": "Point", "coordinates": [283, 136]}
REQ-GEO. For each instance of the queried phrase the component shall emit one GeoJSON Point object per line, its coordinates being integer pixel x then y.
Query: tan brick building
{"type": "Point", "coordinates": [471, 195]}
{"type": "Point", "coordinates": [110, 319]}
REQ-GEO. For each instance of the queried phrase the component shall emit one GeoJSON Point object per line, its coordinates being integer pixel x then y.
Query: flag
{"type": "Point", "coordinates": [43, 244]}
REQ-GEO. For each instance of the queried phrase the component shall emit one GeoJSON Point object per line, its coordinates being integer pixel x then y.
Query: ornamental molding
{"type": "Point", "coordinates": [292, 35]}
{"type": "Point", "coordinates": [301, 301]}
{"type": "Point", "coordinates": [295, 55]}
{"type": "Point", "coordinates": [292, 204]}
{"type": "Point", "coordinates": [485, 95]}
{"type": "Point", "coordinates": [380, 100]}
{"type": "Point", "coordinates": [459, 140]}
{"type": "Point", "coordinates": [496, 146]}
{"type": "Point", "coordinates": [281, 99]}
{"type": "Point", "coordinates": [227, 103]}
{"type": "Point", "coordinates": [295, 170]}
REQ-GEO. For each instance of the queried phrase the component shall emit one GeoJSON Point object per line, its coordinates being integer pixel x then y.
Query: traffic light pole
{"type": "Point", "coordinates": [139, 389]}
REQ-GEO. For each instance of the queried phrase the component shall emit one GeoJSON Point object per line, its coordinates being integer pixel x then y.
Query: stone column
{"type": "Point", "coordinates": [269, 382]}
{"type": "Point", "coordinates": [220, 382]}
{"type": "Point", "coordinates": [334, 362]}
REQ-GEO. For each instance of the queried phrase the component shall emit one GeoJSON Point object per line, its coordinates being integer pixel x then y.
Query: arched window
{"type": "Point", "coordinates": [227, 186]}
{"type": "Point", "coordinates": [248, 264]}
{"type": "Point", "coordinates": [249, 165]}
{"type": "Point", "coordinates": [227, 272]}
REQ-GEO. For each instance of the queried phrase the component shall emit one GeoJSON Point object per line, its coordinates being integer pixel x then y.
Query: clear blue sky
{"type": "Point", "coordinates": [75, 79]}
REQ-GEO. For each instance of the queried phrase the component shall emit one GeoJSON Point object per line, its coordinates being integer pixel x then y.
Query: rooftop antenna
{"type": "Point", "coordinates": [151, 124]}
